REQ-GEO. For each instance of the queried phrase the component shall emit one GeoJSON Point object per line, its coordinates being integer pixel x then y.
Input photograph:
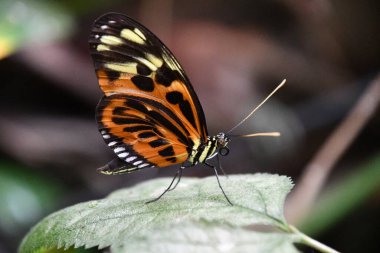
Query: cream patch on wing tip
{"type": "Point", "coordinates": [111, 40]}
{"type": "Point", "coordinates": [139, 33]}
{"type": "Point", "coordinates": [102, 47]}
{"type": "Point", "coordinates": [130, 67]}
{"type": "Point", "coordinates": [132, 36]}
{"type": "Point", "coordinates": [154, 59]}
{"type": "Point", "coordinates": [147, 63]}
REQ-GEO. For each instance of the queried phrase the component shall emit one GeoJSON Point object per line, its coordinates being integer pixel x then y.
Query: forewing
{"type": "Point", "coordinates": [131, 60]}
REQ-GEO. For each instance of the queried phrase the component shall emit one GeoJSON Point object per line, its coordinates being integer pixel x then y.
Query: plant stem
{"type": "Point", "coordinates": [311, 242]}
{"type": "Point", "coordinates": [317, 171]}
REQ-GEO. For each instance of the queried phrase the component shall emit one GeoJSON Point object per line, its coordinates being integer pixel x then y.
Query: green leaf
{"type": "Point", "coordinates": [258, 200]}
{"type": "Point", "coordinates": [25, 197]}
{"type": "Point", "coordinates": [207, 237]}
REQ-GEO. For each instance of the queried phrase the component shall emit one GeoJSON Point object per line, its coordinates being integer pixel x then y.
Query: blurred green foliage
{"type": "Point", "coordinates": [31, 21]}
{"type": "Point", "coordinates": [25, 197]}
{"type": "Point", "coordinates": [86, 6]}
{"type": "Point", "coordinates": [23, 23]}
{"type": "Point", "coordinates": [346, 195]}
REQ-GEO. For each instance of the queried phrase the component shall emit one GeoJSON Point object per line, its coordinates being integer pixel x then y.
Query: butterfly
{"type": "Point", "coordinates": [150, 115]}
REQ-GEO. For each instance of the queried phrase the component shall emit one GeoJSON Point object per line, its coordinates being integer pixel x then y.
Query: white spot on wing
{"type": "Point", "coordinates": [130, 159]}
{"type": "Point", "coordinates": [103, 27]}
{"type": "Point", "coordinates": [123, 155]}
{"type": "Point", "coordinates": [143, 165]}
{"type": "Point", "coordinates": [111, 21]}
{"type": "Point", "coordinates": [119, 149]}
{"type": "Point", "coordinates": [112, 143]}
{"type": "Point", "coordinates": [106, 136]}
{"type": "Point", "coordinates": [137, 162]}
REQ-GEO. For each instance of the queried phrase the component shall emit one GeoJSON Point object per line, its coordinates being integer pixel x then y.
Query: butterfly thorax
{"type": "Point", "coordinates": [207, 150]}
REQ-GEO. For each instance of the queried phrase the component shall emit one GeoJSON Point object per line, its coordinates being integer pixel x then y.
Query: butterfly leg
{"type": "Point", "coordinates": [177, 175]}
{"type": "Point", "coordinates": [217, 178]}
{"type": "Point", "coordinates": [178, 178]}
{"type": "Point", "coordinates": [220, 166]}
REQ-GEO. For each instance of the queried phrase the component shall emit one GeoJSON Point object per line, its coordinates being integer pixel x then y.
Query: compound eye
{"type": "Point", "coordinates": [224, 151]}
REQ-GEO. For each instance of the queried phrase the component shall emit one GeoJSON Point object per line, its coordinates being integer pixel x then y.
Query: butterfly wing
{"type": "Point", "coordinates": [148, 98]}
{"type": "Point", "coordinates": [142, 132]}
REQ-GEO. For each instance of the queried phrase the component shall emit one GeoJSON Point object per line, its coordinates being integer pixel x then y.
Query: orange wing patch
{"type": "Point", "coordinates": [175, 96]}
{"type": "Point", "coordinates": [146, 129]}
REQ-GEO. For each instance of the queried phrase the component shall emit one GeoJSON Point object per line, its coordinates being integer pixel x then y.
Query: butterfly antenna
{"type": "Point", "coordinates": [272, 134]}
{"type": "Point", "coordinates": [257, 107]}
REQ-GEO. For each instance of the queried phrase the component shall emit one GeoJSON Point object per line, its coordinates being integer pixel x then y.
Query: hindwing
{"type": "Point", "coordinates": [142, 132]}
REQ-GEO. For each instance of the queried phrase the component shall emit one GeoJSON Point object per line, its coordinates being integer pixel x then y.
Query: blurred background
{"type": "Point", "coordinates": [235, 54]}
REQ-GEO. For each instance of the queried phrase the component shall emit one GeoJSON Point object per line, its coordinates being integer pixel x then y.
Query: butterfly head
{"type": "Point", "coordinates": [222, 142]}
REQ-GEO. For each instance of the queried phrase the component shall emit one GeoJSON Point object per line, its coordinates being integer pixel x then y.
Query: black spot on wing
{"type": "Point", "coordinates": [120, 121]}
{"type": "Point", "coordinates": [112, 75]}
{"type": "Point", "coordinates": [137, 128]}
{"type": "Point", "coordinates": [165, 76]}
{"type": "Point", "coordinates": [171, 159]}
{"type": "Point", "coordinates": [186, 110]}
{"type": "Point", "coordinates": [119, 111]}
{"type": "Point", "coordinates": [169, 151]}
{"type": "Point", "coordinates": [143, 70]}
{"type": "Point", "coordinates": [143, 83]}
{"type": "Point", "coordinates": [175, 97]}
{"type": "Point", "coordinates": [137, 121]}
{"type": "Point", "coordinates": [158, 143]}
{"type": "Point", "coordinates": [136, 105]}
{"type": "Point", "coordinates": [144, 135]}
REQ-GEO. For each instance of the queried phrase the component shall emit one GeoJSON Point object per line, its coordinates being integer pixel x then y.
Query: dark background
{"type": "Point", "coordinates": [235, 53]}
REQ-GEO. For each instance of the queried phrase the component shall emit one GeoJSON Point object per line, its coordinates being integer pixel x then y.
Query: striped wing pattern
{"type": "Point", "coordinates": [150, 115]}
